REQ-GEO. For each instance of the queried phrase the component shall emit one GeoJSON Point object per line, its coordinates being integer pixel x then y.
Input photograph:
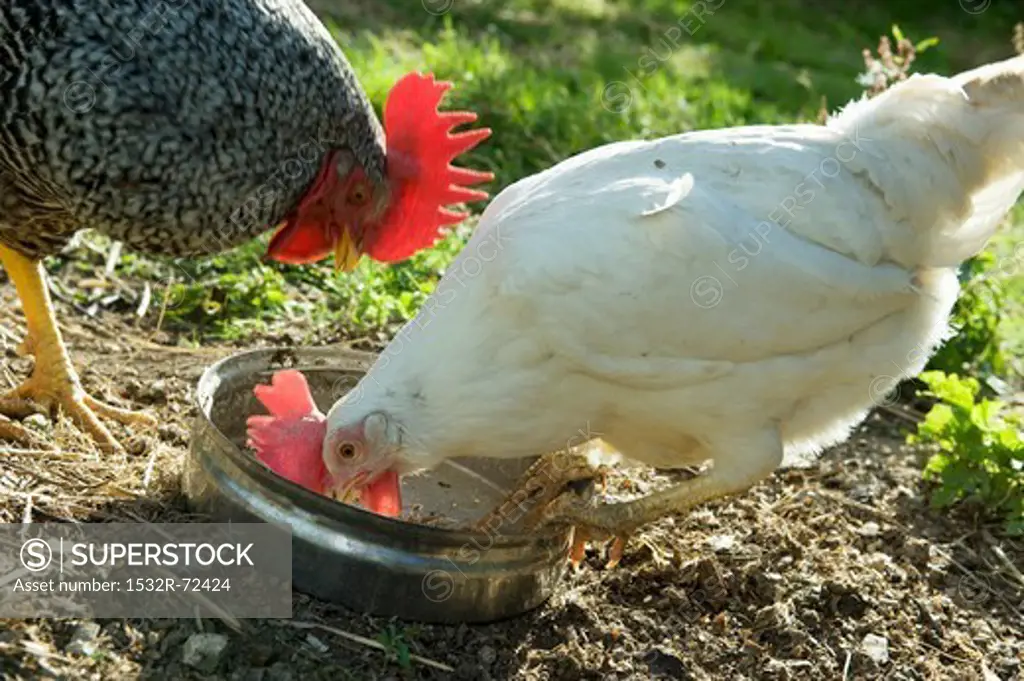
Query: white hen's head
{"type": "Point", "coordinates": [357, 453]}
{"type": "Point", "coordinates": [367, 441]}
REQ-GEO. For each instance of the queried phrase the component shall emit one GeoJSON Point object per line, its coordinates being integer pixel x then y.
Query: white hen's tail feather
{"type": "Point", "coordinates": [947, 156]}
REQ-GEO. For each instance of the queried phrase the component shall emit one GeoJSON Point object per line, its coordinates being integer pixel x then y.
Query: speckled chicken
{"type": "Point", "coordinates": [186, 127]}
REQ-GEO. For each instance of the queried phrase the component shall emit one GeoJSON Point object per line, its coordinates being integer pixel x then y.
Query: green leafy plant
{"type": "Point", "coordinates": [977, 347]}
{"type": "Point", "coordinates": [980, 455]}
{"type": "Point", "coordinates": [397, 646]}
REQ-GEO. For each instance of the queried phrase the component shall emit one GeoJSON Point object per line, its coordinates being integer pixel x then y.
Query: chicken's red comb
{"type": "Point", "coordinates": [420, 149]}
{"type": "Point", "coordinates": [287, 396]}
{"type": "Point", "coordinates": [290, 440]}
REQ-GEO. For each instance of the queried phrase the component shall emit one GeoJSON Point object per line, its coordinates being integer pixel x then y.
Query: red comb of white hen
{"type": "Point", "coordinates": [290, 440]}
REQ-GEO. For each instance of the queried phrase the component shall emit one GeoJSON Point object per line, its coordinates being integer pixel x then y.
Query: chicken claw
{"type": "Point", "coordinates": [54, 384]}
{"type": "Point", "coordinates": [620, 521]}
{"type": "Point", "coordinates": [581, 514]}
{"type": "Point", "coordinates": [66, 394]}
{"type": "Point", "coordinates": [580, 537]}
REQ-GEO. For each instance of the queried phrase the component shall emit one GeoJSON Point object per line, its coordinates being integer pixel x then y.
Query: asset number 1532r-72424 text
{"type": "Point", "coordinates": [176, 584]}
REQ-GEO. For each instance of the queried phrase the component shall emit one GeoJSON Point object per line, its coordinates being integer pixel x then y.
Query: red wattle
{"type": "Point", "coordinates": [301, 243]}
{"type": "Point", "coordinates": [306, 236]}
{"type": "Point", "coordinates": [383, 496]}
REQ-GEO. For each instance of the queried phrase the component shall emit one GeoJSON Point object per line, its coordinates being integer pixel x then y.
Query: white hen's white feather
{"type": "Point", "coordinates": [672, 296]}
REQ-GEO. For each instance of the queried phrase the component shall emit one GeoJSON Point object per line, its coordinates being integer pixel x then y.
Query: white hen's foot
{"type": "Point", "coordinates": [744, 463]}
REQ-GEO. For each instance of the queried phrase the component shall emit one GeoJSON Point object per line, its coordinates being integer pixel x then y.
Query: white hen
{"type": "Point", "coordinates": [726, 295]}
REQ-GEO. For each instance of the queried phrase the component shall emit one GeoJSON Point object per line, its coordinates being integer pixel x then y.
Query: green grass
{"type": "Point", "coordinates": [550, 77]}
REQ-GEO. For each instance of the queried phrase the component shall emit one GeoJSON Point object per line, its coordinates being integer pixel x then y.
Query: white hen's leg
{"type": "Point", "coordinates": [740, 462]}
{"type": "Point", "coordinates": [548, 478]}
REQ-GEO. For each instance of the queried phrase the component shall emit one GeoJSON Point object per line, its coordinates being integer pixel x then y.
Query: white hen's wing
{"type": "Point", "coordinates": [663, 264]}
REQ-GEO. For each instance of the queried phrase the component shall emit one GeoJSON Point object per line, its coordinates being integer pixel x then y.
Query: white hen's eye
{"type": "Point", "coordinates": [347, 451]}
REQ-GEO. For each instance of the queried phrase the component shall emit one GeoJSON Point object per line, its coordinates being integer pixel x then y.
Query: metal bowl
{"type": "Point", "coordinates": [344, 554]}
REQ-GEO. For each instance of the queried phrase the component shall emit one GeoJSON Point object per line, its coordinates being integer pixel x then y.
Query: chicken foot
{"type": "Point", "coordinates": [536, 488]}
{"type": "Point", "coordinates": [747, 464]}
{"type": "Point", "coordinates": [54, 384]}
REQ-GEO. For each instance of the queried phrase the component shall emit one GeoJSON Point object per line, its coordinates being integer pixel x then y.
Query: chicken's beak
{"type": "Point", "coordinates": [349, 491]}
{"type": "Point", "coordinates": [346, 253]}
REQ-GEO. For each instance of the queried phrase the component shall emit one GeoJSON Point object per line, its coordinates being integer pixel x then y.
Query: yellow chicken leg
{"type": "Point", "coordinates": [54, 384]}
{"type": "Point", "coordinates": [541, 484]}
{"type": "Point", "coordinates": [739, 464]}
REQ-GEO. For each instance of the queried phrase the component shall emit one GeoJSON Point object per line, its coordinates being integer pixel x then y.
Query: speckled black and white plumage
{"type": "Point", "coordinates": [180, 127]}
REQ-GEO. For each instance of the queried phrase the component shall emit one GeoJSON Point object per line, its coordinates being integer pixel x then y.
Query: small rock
{"type": "Point", "coordinates": [869, 529]}
{"type": "Point", "coordinates": [38, 422]}
{"type": "Point", "coordinates": [316, 644]}
{"type": "Point", "coordinates": [83, 640]}
{"type": "Point", "coordinates": [487, 655]}
{"type": "Point", "coordinates": [202, 652]}
{"type": "Point", "coordinates": [878, 560]}
{"type": "Point", "coordinates": [768, 586]}
{"type": "Point", "coordinates": [876, 647]}
{"type": "Point", "coordinates": [774, 616]}
{"type": "Point", "coordinates": [865, 494]}
{"type": "Point", "coordinates": [157, 391]}
{"type": "Point", "coordinates": [170, 433]}
{"type": "Point", "coordinates": [720, 542]}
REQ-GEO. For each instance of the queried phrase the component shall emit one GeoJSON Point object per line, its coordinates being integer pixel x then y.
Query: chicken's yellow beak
{"type": "Point", "coordinates": [346, 254]}
{"type": "Point", "coordinates": [350, 492]}
{"type": "Point", "coordinates": [347, 495]}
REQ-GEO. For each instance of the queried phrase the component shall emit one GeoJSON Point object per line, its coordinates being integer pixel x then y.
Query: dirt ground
{"type": "Point", "coordinates": [838, 570]}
